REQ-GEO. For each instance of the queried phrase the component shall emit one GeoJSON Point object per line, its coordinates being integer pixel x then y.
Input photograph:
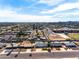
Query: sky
{"type": "Point", "coordinates": [39, 10]}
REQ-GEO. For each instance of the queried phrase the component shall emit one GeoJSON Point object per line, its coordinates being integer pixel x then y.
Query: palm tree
{"type": "Point", "coordinates": [49, 50]}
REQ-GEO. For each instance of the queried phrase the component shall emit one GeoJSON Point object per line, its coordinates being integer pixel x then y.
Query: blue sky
{"type": "Point", "coordinates": [39, 10]}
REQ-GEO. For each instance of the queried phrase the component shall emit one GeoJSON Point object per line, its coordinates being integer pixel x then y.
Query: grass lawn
{"type": "Point", "coordinates": [74, 35]}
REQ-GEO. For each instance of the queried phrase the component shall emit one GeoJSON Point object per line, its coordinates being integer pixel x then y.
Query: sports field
{"type": "Point", "coordinates": [74, 36]}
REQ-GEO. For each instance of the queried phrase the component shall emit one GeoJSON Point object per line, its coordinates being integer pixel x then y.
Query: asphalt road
{"type": "Point", "coordinates": [53, 55]}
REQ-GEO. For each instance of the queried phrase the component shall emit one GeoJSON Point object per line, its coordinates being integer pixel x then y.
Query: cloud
{"type": "Point", "coordinates": [62, 7]}
{"type": "Point", "coordinates": [50, 2]}
{"type": "Point", "coordinates": [19, 12]}
{"type": "Point", "coordinates": [13, 16]}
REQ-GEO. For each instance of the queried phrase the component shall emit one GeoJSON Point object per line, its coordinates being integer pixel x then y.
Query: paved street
{"type": "Point", "coordinates": [53, 55]}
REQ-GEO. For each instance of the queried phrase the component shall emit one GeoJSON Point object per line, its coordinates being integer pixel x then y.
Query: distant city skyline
{"type": "Point", "coordinates": [39, 10]}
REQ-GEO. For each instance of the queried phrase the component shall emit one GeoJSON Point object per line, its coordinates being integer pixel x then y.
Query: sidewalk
{"type": "Point", "coordinates": [38, 51]}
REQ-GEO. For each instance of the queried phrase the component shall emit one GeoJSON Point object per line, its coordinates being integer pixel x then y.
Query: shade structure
{"type": "Point", "coordinates": [56, 44]}
{"type": "Point", "coordinates": [40, 44]}
{"type": "Point", "coordinates": [69, 44]}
